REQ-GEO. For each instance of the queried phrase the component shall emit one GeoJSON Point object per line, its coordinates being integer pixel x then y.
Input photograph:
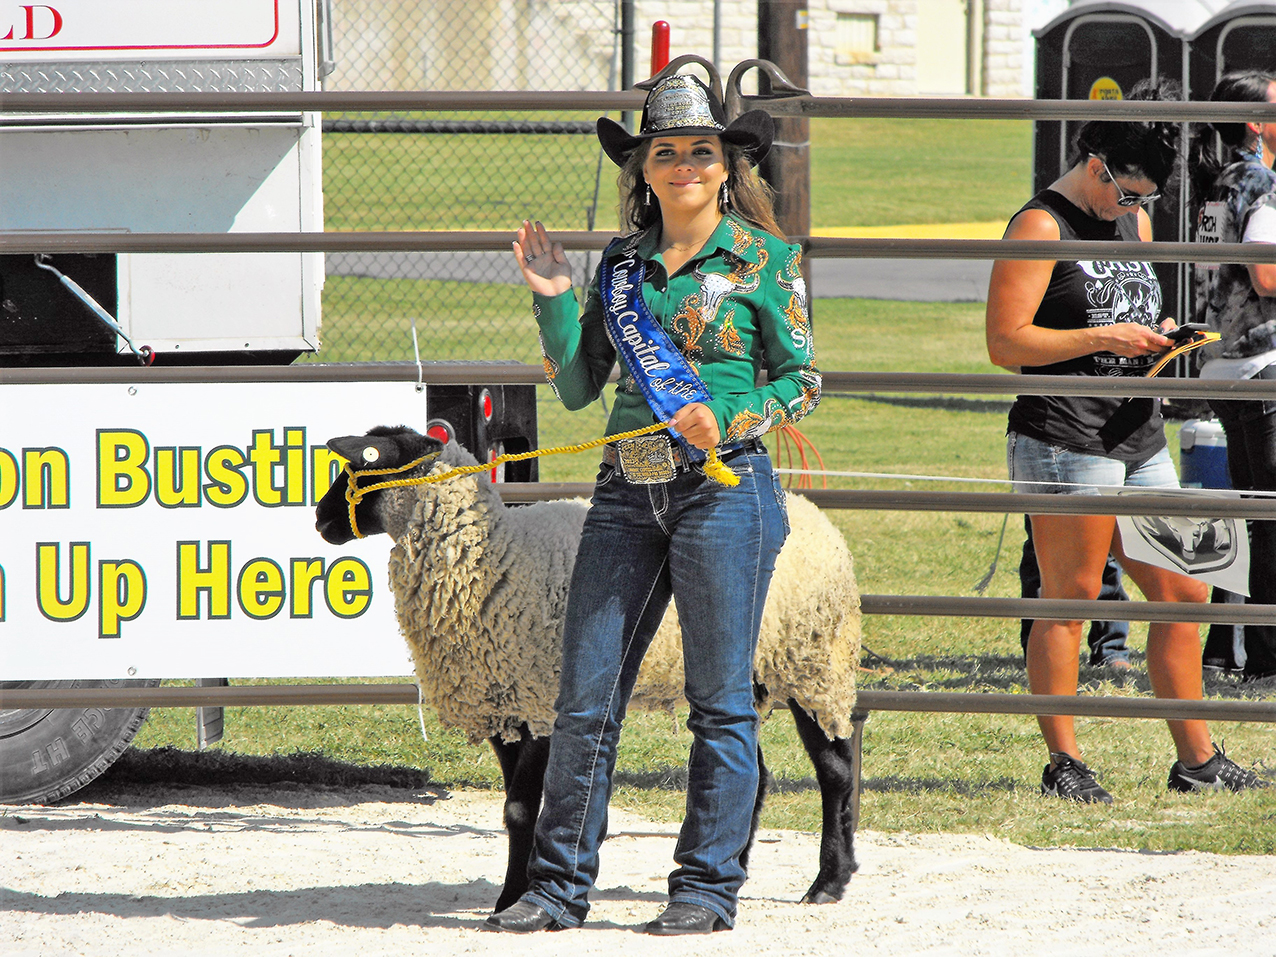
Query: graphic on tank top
{"type": "Point", "coordinates": [1121, 292]}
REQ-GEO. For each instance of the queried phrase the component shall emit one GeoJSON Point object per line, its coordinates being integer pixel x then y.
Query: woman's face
{"type": "Point", "coordinates": [685, 172]}
{"type": "Point", "coordinates": [1109, 188]}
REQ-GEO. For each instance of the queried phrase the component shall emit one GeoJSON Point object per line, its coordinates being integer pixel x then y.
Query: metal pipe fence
{"type": "Point", "coordinates": [906, 500]}
{"type": "Point", "coordinates": [501, 373]}
{"type": "Point", "coordinates": [518, 373]}
{"type": "Point", "coordinates": [244, 696]}
{"type": "Point", "coordinates": [447, 241]}
{"type": "Point", "coordinates": [15, 110]}
{"type": "Point", "coordinates": [409, 101]}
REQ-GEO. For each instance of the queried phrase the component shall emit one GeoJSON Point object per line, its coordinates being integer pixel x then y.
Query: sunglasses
{"type": "Point", "coordinates": [1128, 199]}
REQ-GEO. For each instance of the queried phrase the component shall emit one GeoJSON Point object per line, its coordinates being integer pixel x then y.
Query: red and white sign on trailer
{"type": "Point", "coordinates": [124, 28]}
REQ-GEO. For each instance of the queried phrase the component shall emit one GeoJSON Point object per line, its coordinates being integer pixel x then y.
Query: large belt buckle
{"type": "Point", "coordinates": [646, 460]}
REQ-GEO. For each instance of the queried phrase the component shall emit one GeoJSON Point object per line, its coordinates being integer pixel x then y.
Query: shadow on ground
{"type": "Point", "coordinates": [169, 769]}
{"type": "Point", "coordinates": [370, 906]}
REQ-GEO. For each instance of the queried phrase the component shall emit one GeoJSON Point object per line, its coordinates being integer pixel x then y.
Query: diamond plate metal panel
{"type": "Point", "coordinates": [154, 76]}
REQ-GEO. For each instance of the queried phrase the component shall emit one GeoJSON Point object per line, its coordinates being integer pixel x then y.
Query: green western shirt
{"type": "Point", "coordinates": [738, 307]}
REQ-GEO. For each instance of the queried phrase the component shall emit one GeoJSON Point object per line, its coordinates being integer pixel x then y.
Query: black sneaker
{"type": "Point", "coordinates": [1220, 666]}
{"type": "Point", "coordinates": [1071, 779]}
{"type": "Point", "coordinates": [1218, 773]}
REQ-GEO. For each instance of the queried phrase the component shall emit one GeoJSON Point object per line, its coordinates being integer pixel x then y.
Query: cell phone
{"type": "Point", "coordinates": [1183, 333]}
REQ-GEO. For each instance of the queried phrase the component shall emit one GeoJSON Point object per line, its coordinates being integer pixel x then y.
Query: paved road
{"type": "Point", "coordinates": [915, 280]}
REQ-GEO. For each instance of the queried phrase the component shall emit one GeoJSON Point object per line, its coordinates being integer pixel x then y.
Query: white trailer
{"type": "Point", "coordinates": [161, 172]}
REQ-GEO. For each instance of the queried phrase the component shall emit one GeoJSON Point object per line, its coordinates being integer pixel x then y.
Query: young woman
{"type": "Point", "coordinates": [1096, 318]}
{"type": "Point", "coordinates": [1238, 204]}
{"type": "Point", "coordinates": [698, 300]}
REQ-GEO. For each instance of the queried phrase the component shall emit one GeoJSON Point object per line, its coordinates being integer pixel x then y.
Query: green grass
{"type": "Point", "coordinates": [887, 172]}
{"type": "Point", "coordinates": [372, 319]}
{"type": "Point", "coordinates": [392, 181]}
{"type": "Point", "coordinates": [863, 173]}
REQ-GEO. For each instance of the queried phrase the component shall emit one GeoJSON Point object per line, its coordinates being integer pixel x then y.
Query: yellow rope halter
{"type": "Point", "coordinates": [714, 468]}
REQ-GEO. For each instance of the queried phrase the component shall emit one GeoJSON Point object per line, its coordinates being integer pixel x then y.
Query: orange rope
{"type": "Point", "coordinates": [790, 434]}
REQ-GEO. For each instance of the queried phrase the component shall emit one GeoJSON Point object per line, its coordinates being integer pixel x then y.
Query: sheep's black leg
{"type": "Point", "coordinates": [835, 771]}
{"type": "Point", "coordinates": [764, 780]}
{"type": "Point", "coordinates": [523, 768]}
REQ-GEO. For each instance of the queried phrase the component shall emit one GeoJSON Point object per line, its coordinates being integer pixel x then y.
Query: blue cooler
{"type": "Point", "coordinates": [1203, 455]}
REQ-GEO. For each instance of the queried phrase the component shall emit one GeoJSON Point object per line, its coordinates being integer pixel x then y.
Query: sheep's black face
{"type": "Point", "coordinates": [381, 448]}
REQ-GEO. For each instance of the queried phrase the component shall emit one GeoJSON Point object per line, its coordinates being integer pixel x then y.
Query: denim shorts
{"type": "Point", "coordinates": [1038, 467]}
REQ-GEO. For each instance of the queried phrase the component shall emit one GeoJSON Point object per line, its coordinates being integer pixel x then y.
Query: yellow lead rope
{"type": "Point", "coordinates": [1198, 340]}
{"type": "Point", "coordinates": [714, 468]}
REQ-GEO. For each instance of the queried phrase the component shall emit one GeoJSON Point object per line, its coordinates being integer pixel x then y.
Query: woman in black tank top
{"type": "Point", "coordinates": [1084, 319]}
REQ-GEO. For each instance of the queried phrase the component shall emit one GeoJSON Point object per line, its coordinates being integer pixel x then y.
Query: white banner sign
{"type": "Point", "coordinates": [167, 531]}
{"type": "Point", "coordinates": [106, 29]}
{"type": "Point", "coordinates": [1215, 550]}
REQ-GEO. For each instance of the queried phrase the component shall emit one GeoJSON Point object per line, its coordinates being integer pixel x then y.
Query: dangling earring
{"type": "Point", "coordinates": [724, 200]}
{"type": "Point", "coordinates": [646, 200]}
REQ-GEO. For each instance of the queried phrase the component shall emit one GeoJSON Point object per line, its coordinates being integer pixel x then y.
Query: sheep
{"type": "Point", "coordinates": [480, 591]}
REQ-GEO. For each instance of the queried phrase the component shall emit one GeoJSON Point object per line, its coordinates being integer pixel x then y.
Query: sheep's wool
{"type": "Point", "coordinates": [481, 590]}
{"type": "Point", "coordinates": [809, 643]}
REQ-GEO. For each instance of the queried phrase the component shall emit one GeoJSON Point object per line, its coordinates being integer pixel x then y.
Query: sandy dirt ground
{"type": "Point", "coordinates": [305, 871]}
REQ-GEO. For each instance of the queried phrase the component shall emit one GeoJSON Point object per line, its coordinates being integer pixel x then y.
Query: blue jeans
{"type": "Point", "coordinates": [712, 549]}
{"type": "Point", "coordinates": [1038, 467]}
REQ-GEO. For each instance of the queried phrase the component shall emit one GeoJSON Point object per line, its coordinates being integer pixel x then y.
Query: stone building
{"type": "Point", "coordinates": [856, 47]}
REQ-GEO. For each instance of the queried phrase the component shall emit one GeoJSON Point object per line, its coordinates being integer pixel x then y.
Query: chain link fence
{"type": "Point", "coordinates": [458, 171]}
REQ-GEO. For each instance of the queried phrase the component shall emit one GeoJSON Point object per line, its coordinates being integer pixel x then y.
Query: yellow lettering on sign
{"type": "Point", "coordinates": [265, 455]}
{"type": "Point", "coordinates": [261, 588]}
{"type": "Point", "coordinates": [121, 595]}
{"type": "Point", "coordinates": [122, 479]}
{"type": "Point", "coordinates": [177, 477]}
{"type": "Point", "coordinates": [9, 478]}
{"type": "Point", "coordinates": [295, 466]}
{"type": "Point", "coordinates": [1105, 88]}
{"type": "Point", "coordinates": [227, 485]}
{"type": "Point", "coordinates": [349, 588]}
{"type": "Point", "coordinates": [305, 572]}
{"type": "Point", "coordinates": [49, 584]}
{"type": "Point", "coordinates": [325, 468]}
{"type": "Point", "coordinates": [213, 579]}
{"type": "Point", "coordinates": [46, 478]}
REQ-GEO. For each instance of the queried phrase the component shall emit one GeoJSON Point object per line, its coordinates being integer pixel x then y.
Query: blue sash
{"type": "Point", "coordinates": [665, 378]}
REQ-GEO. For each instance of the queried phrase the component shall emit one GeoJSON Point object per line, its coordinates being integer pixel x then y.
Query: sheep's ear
{"type": "Point", "coordinates": [427, 445]}
{"type": "Point", "coordinates": [366, 452]}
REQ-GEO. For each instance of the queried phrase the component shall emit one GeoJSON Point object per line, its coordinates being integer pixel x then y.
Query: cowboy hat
{"type": "Point", "coordinates": [681, 105]}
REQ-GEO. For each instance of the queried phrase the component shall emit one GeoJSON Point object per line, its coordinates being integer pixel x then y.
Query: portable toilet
{"type": "Point", "coordinates": [1098, 50]}
{"type": "Point", "coordinates": [1241, 36]}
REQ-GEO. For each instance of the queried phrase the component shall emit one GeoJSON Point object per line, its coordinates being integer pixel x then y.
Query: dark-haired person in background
{"type": "Point", "coordinates": [1087, 318]}
{"type": "Point", "coordinates": [1237, 204]}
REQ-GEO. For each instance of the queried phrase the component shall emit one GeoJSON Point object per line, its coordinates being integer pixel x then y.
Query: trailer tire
{"type": "Point", "coordinates": [48, 754]}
